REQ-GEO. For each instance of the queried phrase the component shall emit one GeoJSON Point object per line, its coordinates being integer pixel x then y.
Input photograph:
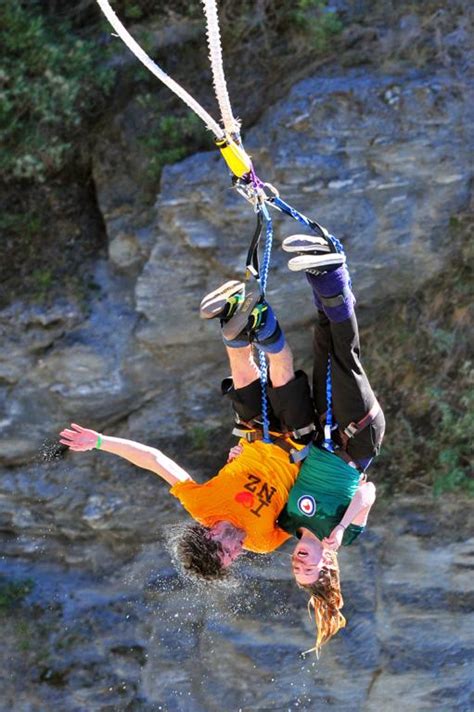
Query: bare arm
{"type": "Point", "coordinates": [359, 508]}
{"type": "Point", "coordinates": [356, 513]}
{"type": "Point", "coordinates": [81, 439]}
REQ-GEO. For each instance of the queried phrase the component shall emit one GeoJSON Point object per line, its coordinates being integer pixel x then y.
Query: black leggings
{"type": "Point", "coordinates": [291, 406]}
{"type": "Point", "coordinates": [352, 395]}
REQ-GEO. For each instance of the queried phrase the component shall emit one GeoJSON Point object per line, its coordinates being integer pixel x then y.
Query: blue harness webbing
{"type": "Point", "coordinates": [262, 361]}
{"type": "Point", "coordinates": [263, 216]}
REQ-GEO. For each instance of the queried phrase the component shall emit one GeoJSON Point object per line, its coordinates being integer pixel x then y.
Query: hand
{"type": "Point", "coordinates": [234, 452]}
{"type": "Point", "coordinates": [79, 439]}
{"type": "Point", "coordinates": [334, 540]}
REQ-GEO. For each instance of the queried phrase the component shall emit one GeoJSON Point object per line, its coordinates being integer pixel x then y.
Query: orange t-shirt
{"type": "Point", "coordinates": [249, 492]}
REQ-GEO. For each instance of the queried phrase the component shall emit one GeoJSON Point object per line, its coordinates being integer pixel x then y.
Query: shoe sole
{"type": "Point", "coordinates": [239, 321]}
{"type": "Point", "coordinates": [304, 262]}
{"type": "Point", "coordinates": [305, 243]}
{"type": "Point", "coordinates": [213, 303]}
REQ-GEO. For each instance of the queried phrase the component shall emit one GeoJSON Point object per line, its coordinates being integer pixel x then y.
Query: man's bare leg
{"type": "Point", "coordinates": [281, 367]}
{"type": "Point", "coordinates": [244, 370]}
{"type": "Point", "coordinates": [288, 392]}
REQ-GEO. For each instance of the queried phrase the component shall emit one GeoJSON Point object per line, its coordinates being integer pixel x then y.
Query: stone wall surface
{"type": "Point", "coordinates": [110, 626]}
{"type": "Point", "coordinates": [384, 162]}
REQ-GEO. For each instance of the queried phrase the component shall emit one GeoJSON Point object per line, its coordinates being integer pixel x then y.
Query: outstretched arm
{"type": "Point", "coordinates": [356, 513]}
{"type": "Point", "coordinates": [82, 439]}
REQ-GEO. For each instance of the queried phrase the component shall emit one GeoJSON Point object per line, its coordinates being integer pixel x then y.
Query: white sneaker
{"type": "Point", "coordinates": [315, 254]}
{"type": "Point", "coordinates": [223, 301]}
{"type": "Point", "coordinates": [316, 264]}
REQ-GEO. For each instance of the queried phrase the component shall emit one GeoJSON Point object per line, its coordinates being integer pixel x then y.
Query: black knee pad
{"type": "Point", "coordinates": [247, 401]}
{"type": "Point", "coordinates": [292, 403]}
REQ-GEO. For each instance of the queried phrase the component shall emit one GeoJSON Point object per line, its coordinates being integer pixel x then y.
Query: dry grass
{"type": "Point", "coordinates": [422, 366]}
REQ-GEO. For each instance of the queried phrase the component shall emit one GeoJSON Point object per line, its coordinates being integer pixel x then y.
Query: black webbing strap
{"type": "Point", "coordinates": [251, 263]}
{"type": "Point", "coordinates": [354, 428]}
{"type": "Point", "coordinates": [347, 459]}
{"type": "Point", "coordinates": [337, 300]}
{"type": "Point", "coordinates": [295, 454]}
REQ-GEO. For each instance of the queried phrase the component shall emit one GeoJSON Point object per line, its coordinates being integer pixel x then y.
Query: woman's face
{"type": "Point", "coordinates": [307, 560]}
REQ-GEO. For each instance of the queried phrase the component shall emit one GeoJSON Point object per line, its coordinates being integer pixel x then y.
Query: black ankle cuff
{"type": "Point", "coordinates": [292, 403]}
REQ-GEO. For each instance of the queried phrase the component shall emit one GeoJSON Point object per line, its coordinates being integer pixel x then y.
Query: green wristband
{"type": "Point", "coordinates": [98, 444]}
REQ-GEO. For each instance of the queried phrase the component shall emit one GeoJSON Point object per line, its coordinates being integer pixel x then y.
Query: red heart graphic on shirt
{"type": "Point", "coordinates": [307, 505]}
{"type": "Point", "coordinates": [245, 498]}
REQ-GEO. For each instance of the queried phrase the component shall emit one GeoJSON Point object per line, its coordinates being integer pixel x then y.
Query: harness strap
{"type": "Point", "coordinates": [337, 300]}
{"type": "Point", "coordinates": [347, 459]}
{"type": "Point", "coordinates": [295, 454]}
{"type": "Point", "coordinates": [355, 428]}
{"type": "Point", "coordinates": [299, 432]}
{"type": "Point", "coordinates": [251, 263]}
{"type": "Point", "coordinates": [251, 434]}
{"type": "Point", "coordinates": [300, 455]}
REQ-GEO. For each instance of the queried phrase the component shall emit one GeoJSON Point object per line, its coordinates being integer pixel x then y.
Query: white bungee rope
{"type": "Point", "coordinates": [228, 141]}
{"type": "Point", "coordinates": [231, 125]}
{"type": "Point", "coordinates": [142, 56]}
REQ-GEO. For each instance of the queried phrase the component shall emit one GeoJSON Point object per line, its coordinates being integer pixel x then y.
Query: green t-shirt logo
{"type": "Point", "coordinates": [307, 505]}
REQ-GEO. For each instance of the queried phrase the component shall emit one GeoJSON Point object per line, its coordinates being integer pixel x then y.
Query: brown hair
{"type": "Point", "coordinates": [198, 554]}
{"type": "Point", "coordinates": [326, 601]}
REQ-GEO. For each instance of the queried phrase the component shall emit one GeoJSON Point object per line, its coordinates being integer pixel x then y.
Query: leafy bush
{"type": "Point", "coordinates": [317, 22]}
{"type": "Point", "coordinates": [420, 363]}
{"type": "Point", "coordinates": [13, 592]}
{"type": "Point", "coordinates": [305, 26]}
{"type": "Point", "coordinates": [454, 440]}
{"type": "Point", "coordinates": [50, 84]}
{"type": "Point", "coordinates": [172, 138]}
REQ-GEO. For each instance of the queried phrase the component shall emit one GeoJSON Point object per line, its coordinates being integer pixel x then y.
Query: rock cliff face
{"type": "Point", "coordinates": [109, 626]}
{"type": "Point", "coordinates": [384, 162]}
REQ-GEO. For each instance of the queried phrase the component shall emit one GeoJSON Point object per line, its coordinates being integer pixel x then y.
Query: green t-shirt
{"type": "Point", "coordinates": [320, 496]}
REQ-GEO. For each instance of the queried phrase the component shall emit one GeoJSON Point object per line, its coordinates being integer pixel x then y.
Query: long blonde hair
{"type": "Point", "coordinates": [326, 601]}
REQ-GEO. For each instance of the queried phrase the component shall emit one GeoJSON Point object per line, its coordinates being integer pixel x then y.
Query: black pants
{"type": "Point", "coordinates": [352, 395]}
{"type": "Point", "coordinates": [291, 406]}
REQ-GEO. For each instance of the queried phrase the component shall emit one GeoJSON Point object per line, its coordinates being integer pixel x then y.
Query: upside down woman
{"type": "Point", "coordinates": [330, 502]}
{"type": "Point", "coordinates": [263, 495]}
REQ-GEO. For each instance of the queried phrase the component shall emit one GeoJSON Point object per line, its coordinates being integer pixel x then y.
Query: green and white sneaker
{"type": "Point", "coordinates": [258, 317]}
{"type": "Point", "coordinates": [238, 321]}
{"type": "Point", "coordinates": [232, 303]}
{"type": "Point", "coordinates": [223, 301]}
{"type": "Point", "coordinates": [314, 254]}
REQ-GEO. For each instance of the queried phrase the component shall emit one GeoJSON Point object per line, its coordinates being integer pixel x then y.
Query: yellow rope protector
{"type": "Point", "coordinates": [237, 160]}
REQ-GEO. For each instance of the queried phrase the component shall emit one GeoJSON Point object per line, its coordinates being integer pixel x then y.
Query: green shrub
{"type": "Point", "coordinates": [454, 440]}
{"type": "Point", "coordinates": [419, 363]}
{"type": "Point", "coordinates": [13, 592]}
{"type": "Point", "coordinates": [199, 437]}
{"type": "Point", "coordinates": [315, 21]}
{"type": "Point", "coordinates": [295, 27]}
{"type": "Point", "coordinates": [50, 84]}
{"type": "Point", "coordinates": [27, 224]}
{"type": "Point", "coordinates": [172, 138]}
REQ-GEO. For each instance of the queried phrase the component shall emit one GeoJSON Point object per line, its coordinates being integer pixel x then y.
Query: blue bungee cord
{"type": "Point", "coordinates": [229, 143]}
{"type": "Point", "coordinates": [328, 443]}
{"type": "Point", "coordinates": [262, 360]}
{"type": "Point", "coordinates": [280, 204]}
